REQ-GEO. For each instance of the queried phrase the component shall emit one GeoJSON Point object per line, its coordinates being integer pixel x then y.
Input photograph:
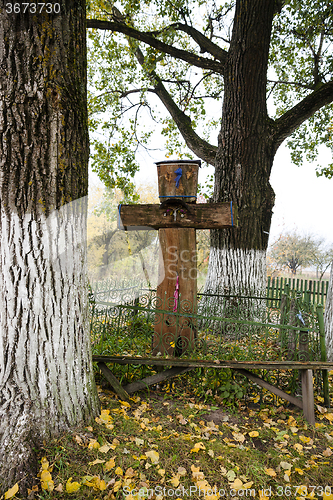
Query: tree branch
{"type": "Point", "coordinates": [201, 148]}
{"type": "Point", "coordinates": [204, 43]}
{"type": "Point", "coordinates": [296, 84]}
{"type": "Point", "coordinates": [124, 94]}
{"type": "Point", "coordinates": [193, 59]}
{"type": "Point", "coordinates": [294, 117]}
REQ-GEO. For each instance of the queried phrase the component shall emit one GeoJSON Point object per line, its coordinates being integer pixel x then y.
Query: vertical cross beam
{"type": "Point", "coordinates": [177, 218]}
{"type": "Point", "coordinates": [177, 289]}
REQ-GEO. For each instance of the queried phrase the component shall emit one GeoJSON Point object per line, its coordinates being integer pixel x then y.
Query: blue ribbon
{"type": "Point", "coordinates": [232, 217]}
{"type": "Point", "coordinates": [119, 216]}
{"type": "Point", "coordinates": [179, 173]}
{"type": "Point", "coordinates": [299, 316]}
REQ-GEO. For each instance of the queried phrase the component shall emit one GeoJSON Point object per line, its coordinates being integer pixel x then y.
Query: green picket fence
{"type": "Point", "coordinates": [312, 291]}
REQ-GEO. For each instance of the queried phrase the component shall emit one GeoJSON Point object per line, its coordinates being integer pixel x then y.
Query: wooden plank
{"type": "Point", "coordinates": [155, 379]}
{"type": "Point", "coordinates": [307, 395]}
{"type": "Point", "coordinates": [113, 381]}
{"type": "Point", "coordinates": [218, 363]}
{"type": "Point", "coordinates": [197, 215]}
{"type": "Point", "coordinates": [271, 388]}
{"type": "Point", "coordinates": [178, 262]}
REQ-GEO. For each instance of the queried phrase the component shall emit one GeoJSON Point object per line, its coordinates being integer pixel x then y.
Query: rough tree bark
{"type": "Point", "coordinates": [245, 156]}
{"type": "Point", "coordinates": [46, 377]}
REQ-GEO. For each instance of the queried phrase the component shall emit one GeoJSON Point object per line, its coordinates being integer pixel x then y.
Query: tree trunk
{"type": "Point", "coordinates": [245, 155]}
{"type": "Point", "coordinates": [46, 377]}
{"type": "Point", "coordinates": [329, 319]}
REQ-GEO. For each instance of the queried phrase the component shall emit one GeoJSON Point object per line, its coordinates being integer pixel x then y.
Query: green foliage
{"type": "Point", "coordinates": [231, 392]}
{"type": "Point", "coordinates": [125, 113]}
{"type": "Point", "coordinates": [302, 61]}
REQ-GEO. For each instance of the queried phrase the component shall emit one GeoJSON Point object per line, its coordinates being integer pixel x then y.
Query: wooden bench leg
{"type": "Point", "coordinates": [307, 396]}
{"type": "Point", "coordinates": [113, 381]}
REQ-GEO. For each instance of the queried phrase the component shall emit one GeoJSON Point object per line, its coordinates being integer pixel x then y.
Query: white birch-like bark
{"type": "Point", "coordinates": [46, 377]}
{"type": "Point", "coordinates": [46, 373]}
{"type": "Point", "coordinates": [328, 318]}
{"type": "Point", "coordinates": [235, 272]}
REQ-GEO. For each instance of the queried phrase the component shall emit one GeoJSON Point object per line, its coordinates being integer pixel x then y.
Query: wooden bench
{"type": "Point", "coordinates": [177, 366]}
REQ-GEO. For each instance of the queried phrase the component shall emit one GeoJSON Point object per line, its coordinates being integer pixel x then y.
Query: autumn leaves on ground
{"type": "Point", "coordinates": [170, 445]}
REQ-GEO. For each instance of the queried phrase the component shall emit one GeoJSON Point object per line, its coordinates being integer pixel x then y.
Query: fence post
{"type": "Point", "coordinates": [323, 356]}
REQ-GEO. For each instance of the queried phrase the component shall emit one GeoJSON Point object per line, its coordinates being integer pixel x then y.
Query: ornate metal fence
{"type": "Point", "coordinates": [126, 324]}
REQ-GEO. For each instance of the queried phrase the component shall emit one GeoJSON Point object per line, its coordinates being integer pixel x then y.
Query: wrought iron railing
{"type": "Point", "coordinates": [131, 322]}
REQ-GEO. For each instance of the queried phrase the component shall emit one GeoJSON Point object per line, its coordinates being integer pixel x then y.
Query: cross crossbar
{"type": "Point", "coordinates": [175, 213]}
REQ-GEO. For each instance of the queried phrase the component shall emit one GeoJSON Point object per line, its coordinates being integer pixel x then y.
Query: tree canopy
{"type": "Point", "coordinates": [294, 251]}
{"type": "Point", "coordinates": [146, 52]}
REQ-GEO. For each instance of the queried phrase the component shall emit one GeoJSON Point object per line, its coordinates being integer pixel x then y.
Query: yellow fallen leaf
{"type": "Point", "coordinates": [12, 491]}
{"type": "Point", "coordinates": [239, 437]}
{"type": "Point", "coordinates": [197, 447]}
{"type": "Point", "coordinates": [270, 472]}
{"type": "Point", "coordinates": [237, 484]}
{"type": "Point", "coordinates": [97, 461]}
{"type": "Point", "coordinates": [174, 481]}
{"type": "Point", "coordinates": [46, 480]}
{"type": "Point", "coordinates": [181, 419]}
{"type": "Point", "coordinates": [203, 485]}
{"type": "Point", "coordinates": [231, 475]}
{"type": "Point", "coordinates": [109, 464]}
{"type": "Point", "coordinates": [196, 473]}
{"type": "Point", "coordinates": [210, 453]}
{"type": "Point", "coordinates": [117, 485]}
{"type": "Point", "coordinates": [124, 403]}
{"type": "Point", "coordinates": [298, 447]}
{"type": "Point", "coordinates": [153, 455]}
{"type": "Point", "coordinates": [327, 496]}
{"type": "Point", "coordinates": [45, 463]}
{"type": "Point", "coordinates": [253, 434]}
{"type": "Point", "coordinates": [329, 416]}
{"type": "Point", "coordinates": [139, 441]}
{"type": "Point", "coordinates": [300, 471]}
{"type": "Point", "coordinates": [105, 448]}
{"type": "Point", "coordinates": [105, 415]}
{"type": "Point", "coordinates": [292, 421]}
{"type": "Point", "coordinates": [305, 439]}
{"type": "Point", "coordinates": [262, 495]}
{"type": "Point", "coordinates": [327, 452]}
{"type": "Point", "coordinates": [102, 485]}
{"type": "Point", "coordinates": [311, 496]}
{"type": "Point", "coordinates": [93, 444]}
{"type": "Point", "coordinates": [72, 487]}
{"type": "Point", "coordinates": [119, 471]}
{"type": "Point", "coordinates": [286, 465]}
{"type": "Point", "coordinates": [181, 471]}
{"type": "Point", "coordinates": [79, 441]}
{"type": "Point", "coordinates": [94, 482]}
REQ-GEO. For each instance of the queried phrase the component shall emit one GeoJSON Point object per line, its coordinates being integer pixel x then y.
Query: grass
{"type": "Point", "coordinates": [171, 444]}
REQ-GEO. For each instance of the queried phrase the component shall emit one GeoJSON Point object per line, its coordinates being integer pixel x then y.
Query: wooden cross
{"type": "Point", "coordinates": [177, 218]}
